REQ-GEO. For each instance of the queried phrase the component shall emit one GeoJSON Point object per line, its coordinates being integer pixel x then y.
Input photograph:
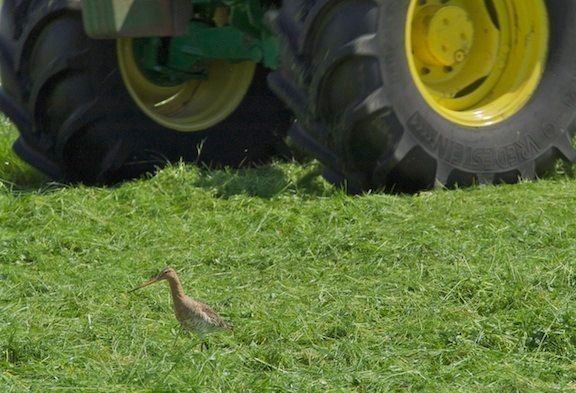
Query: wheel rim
{"type": "Point", "coordinates": [477, 62]}
{"type": "Point", "coordinates": [195, 105]}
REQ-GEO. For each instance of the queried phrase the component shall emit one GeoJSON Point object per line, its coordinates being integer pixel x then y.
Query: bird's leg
{"type": "Point", "coordinates": [178, 358]}
{"type": "Point", "coordinates": [203, 342]}
{"type": "Point", "coordinates": [177, 335]}
{"type": "Point", "coordinates": [170, 371]}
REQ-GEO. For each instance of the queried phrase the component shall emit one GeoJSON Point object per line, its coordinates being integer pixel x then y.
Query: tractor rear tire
{"type": "Point", "coordinates": [82, 124]}
{"type": "Point", "coordinates": [347, 74]}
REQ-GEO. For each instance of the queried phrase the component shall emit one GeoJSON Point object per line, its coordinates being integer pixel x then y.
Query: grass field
{"type": "Point", "coordinates": [466, 290]}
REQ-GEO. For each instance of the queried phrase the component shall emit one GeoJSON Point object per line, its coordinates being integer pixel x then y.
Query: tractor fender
{"type": "Point", "coordinates": [106, 19]}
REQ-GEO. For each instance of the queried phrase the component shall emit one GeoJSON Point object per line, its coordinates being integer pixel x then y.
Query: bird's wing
{"type": "Point", "coordinates": [214, 317]}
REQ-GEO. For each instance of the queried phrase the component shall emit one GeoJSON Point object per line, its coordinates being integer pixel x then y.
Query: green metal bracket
{"type": "Point", "coordinates": [203, 42]}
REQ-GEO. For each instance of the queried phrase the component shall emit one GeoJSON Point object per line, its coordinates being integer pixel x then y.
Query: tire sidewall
{"type": "Point", "coordinates": [506, 145]}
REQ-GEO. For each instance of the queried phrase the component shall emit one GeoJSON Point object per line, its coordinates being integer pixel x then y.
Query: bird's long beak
{"type": "Point", "coordinates": [149, 282]}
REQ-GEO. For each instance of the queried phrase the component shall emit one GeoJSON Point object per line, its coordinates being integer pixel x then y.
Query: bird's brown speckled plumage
{"type": "Point", "coordinates": [193, 315]}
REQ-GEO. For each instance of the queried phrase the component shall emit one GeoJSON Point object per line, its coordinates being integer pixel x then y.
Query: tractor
{"type": "Point", "coordinates": [397, 95]}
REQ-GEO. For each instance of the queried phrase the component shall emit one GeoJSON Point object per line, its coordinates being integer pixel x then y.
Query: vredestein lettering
{"type": "Point", "coordinates": [481, 158]}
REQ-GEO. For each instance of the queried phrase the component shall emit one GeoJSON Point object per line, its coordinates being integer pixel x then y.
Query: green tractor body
{"type": "Point", "coordinates": [244, 37]}
{"type": "Point", "coordinates": [386, 94]}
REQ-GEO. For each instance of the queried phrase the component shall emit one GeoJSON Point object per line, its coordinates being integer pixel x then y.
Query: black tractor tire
{"type": "Point", "coordinates": [77, 121]}
{"type": "Point", "coordinates": [346, 76]}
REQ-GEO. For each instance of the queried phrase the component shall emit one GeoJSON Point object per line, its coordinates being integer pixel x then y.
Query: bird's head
{"type": "Point", "coordinates": [166, 274]}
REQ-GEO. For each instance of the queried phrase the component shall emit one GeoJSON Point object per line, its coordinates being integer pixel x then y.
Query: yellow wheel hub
{"type": "Point", "coordinates": [195, 105]}
{"type": "Point", "coordinates": [477, 62]}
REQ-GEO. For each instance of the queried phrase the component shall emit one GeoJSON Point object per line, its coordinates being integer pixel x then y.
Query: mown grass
{"type": "Point", "coordinates": [465, 290]}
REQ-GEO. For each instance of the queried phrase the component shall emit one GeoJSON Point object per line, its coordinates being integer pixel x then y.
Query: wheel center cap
{"type": "Point", "coordinates": [450, 35]}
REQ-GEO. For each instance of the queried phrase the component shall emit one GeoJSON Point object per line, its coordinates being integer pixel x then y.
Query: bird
{"type": "Point", "coordinates": [193, 315]}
